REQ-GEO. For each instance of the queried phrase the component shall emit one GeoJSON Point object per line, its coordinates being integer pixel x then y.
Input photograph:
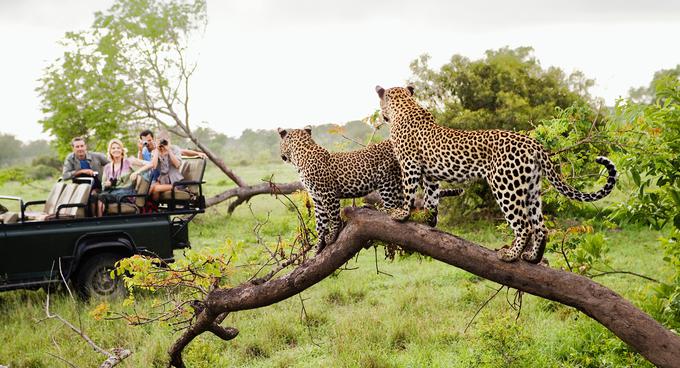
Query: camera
{"type": "Point", "coordinates": [113, 181]}
{"type": "Point", "coordinates": [145, 143]}
{"type": "Point", "coordinates": [164, 142]}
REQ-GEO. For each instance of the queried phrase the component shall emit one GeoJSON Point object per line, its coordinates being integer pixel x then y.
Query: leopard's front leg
{"type": "Point", "coordinates": [410, 178]}
{"type": "Point", "coordinates": [327, 215]}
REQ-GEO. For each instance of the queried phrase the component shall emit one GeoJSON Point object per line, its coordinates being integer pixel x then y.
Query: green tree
{"type": "Point", "coordinates": [127, 69]}
{"type": "Point", "coordinates": [507, 89]}
{"type": "Point", "coordinates": [10, 149]}
{"type": "Point", "coordinates": [647, 95]}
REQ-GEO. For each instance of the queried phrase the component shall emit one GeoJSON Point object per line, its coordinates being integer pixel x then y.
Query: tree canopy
{"type": "Point", "coordinates": [112, 75]}
{"type": "Point", "coordinates": [507, 89]}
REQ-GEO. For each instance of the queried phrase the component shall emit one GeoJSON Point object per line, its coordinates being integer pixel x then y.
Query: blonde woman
{"type": "Point", "coordinates": [119, 177]}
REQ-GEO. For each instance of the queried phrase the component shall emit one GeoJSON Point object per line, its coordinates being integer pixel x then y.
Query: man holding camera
{"type": "Point", "coordinates": [165, 160]}
{"type": "Point", "coordinates": [147, 144]}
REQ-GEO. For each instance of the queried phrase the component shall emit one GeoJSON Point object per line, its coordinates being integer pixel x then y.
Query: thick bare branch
{"type": "Point", "coordinates": [640, 331]}
{"type": "Point", "coordinates": [243, 193]}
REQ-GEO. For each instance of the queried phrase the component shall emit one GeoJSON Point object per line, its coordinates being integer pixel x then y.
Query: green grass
{"type": "Point", "coordinates": [413, 317]}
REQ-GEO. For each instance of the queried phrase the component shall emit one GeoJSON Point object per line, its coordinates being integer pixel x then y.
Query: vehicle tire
{"type": "Point", "coordinates": [94, 277]}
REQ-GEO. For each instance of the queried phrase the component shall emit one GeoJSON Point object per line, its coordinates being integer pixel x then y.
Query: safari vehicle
{"type": "Point", "coordinates": [64, 242]}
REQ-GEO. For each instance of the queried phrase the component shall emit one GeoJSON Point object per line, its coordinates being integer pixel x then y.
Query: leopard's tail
{"type": "Point", "coordinates": [553, 176]}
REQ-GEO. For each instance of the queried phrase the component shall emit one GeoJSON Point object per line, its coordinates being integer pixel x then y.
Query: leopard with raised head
{"type": "Point", "coordinates": [511, 163]}
{"type": "Point", "coordinates": [331, 176]}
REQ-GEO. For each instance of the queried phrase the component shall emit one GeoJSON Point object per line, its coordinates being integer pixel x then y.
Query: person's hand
{"type": "Point", "coordinates": [133, 177]}
{"type": "Point", "coordinates": [202, 155]}
{"type": "Point", "coordinates": [140, 144]}
{"type": "Point", "coordinates": [107, 184]}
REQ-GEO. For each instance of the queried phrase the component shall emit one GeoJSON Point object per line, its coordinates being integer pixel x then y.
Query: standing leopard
{"type": "Point", "coordinates": [329, 177]}
{"type": "Point", "coordinates": [511, 163]}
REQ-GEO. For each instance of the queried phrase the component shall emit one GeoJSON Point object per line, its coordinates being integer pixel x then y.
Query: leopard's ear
{"type": "Point", "coordinates": [380, 90]}
{"type": "Point", "coordinates": [410, 89]}
{"type": "Point", "coordinates": [308, 129]}
{"type": "Point", "coordinates": [282, 132]}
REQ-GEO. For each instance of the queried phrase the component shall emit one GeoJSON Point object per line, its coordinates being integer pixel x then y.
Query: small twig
{"type": "Point", "coordinates": [482, 307]}
{"type": "Point", "coordinates": [377, 270]}
{"type": "Point", "coordinates": [305, 317]}
{"type": "Point", "coordinates": [625, 273]}
{"type": "Point", "coordinates": [62, 359]}
{"type": "Point", "coordinates": [353, 140]}
{"type": "Point", "coordinates": [112, 358]}
{"type": "Point", "coordinates": [564, 254]}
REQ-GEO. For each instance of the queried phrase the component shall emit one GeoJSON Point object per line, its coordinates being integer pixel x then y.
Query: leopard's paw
{"type": "Point", "coordinates": [506, 255]}
{"type": "Point", "coordinates": [531, 257]}
{"type": "Point", "coordinates": [399, 214]}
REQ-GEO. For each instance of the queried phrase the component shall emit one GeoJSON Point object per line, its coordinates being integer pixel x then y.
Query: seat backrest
{"type": "Point", "coordinates": [53, 197]}
{"type": "Point", "coordinates": [9, 218]}
{"type": "Point", "coordinates": [193, 169]}
{"type": "Point", "coordinates": [141, 187]}
{"type": "Point", "coordinates": [80, 195]}
{"type": "Point", "coordinates": [64, 198]}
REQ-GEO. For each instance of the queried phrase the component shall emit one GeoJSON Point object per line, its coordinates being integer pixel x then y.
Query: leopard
{"type": "Point", "coordinates": [329, 177]}
{"type": "Point", "coordinates": [511, 163]}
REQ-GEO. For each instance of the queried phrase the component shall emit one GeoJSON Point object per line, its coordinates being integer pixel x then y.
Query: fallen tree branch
{"type": "Point", "coordinates": [645, 335]}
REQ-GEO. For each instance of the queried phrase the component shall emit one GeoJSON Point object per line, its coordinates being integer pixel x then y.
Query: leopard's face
{"type": "Point", "coordinates": [291, 138]}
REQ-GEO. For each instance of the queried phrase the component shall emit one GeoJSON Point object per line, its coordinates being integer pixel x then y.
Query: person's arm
{"type": "Point", "coordinates": [139, 164]}
{"type": "Point", "coordinates": [174, 160]}
{"type": "Point", "coordinates": [69, 170]}
{"type": "Point", "coordinates": [192, 153]}
{"type": "Point", "coordinates": [154, 159]}
{"type": "Point", "coordinates": [105, 178]}
{"type": "Point", "coordinates": [140, 146]}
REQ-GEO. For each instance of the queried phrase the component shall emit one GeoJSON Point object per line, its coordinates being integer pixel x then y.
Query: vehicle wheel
{"type": "Point", "coordinates": [94, 277]}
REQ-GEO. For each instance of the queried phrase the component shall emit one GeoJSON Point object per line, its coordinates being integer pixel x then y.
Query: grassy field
{"type": "Point", "coordinates": [412, 314]}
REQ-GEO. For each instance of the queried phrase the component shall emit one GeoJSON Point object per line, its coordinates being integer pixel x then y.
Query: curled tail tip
{"type": "Point", "coordinates": [603, 160]}
{"type": "Point", "coordinates": [607, 163]}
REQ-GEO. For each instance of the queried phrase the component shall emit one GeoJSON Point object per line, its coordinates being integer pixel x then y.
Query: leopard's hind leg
{"type": "Point", "coordinates": [511, 195]}
{"type": "Point", "coordinates": [539, 231]}
{"type": "Point", "coordinates": [431, 191]}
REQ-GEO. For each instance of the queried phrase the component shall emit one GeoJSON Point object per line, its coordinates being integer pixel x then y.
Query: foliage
{"type": "Point", "coordinates": [667, 295]}
{"type": "Point", "coordinates": [647, 95]}
{"type": "Point", "coordinates": [15, 152]}
{"type": "Point", "coordinates": [13, 174]}
{"type": "Point", "coordinates": [507, 89]}
{"type": "Point", "coordinates": [108, 75]}
{"type": "Point", "coordinates": [654, 166]}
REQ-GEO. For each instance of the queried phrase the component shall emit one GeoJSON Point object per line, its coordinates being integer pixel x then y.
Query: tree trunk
{"type": "Point", "coordinates": [659, 345]}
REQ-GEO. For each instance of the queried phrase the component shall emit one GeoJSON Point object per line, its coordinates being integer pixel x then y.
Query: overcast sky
{"type": "Point", "coordinates": [268, 63]}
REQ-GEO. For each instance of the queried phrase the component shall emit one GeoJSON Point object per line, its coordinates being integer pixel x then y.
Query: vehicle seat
{"type": "Point", "coordinates": [81, 195]}
{"type": "Point", "coordinates": [9, 218]}
{"type": "Point", "coordinates": [142, 186]}
{"type": "Point", "coordinates": [192, 170]}
{"type": "Point", "coordinates": [50, 204]}
{"type": "Point", "coordinates": [63, 198]}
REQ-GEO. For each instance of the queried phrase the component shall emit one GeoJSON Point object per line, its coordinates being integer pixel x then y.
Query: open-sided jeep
{"type": "Point", "coordinates": [47, 241]}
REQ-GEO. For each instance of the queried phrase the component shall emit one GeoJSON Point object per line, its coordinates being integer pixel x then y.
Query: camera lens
{"type": "Point", "coordinates": [145, 143]}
